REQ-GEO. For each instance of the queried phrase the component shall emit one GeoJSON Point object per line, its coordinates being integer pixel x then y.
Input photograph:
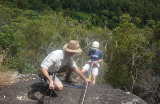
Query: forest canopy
{"type": "Point", "coordinates": [100, 12]}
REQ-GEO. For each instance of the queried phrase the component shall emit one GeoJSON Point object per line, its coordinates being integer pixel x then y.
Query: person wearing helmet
{"type": "Point", "coordinates": [92, 66]}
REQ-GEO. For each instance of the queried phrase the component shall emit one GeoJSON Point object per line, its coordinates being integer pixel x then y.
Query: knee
{"type": "Point", "coordinates": [60, 88]}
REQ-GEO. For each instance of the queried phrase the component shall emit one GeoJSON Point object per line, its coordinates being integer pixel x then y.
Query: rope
{"type": "Point", "coordinates": [84, 95]}
{"type": "Point", "coordinates": [86, 87]}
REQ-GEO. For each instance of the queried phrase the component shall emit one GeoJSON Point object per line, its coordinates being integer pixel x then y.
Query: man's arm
{"type": "Point", "coordinates": [46, 74]}
{"type": "Point", "coordinates": [81, 75]}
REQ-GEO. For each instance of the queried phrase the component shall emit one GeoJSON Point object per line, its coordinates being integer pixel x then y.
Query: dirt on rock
{"type": "Point", "coordinates": [30, 90]}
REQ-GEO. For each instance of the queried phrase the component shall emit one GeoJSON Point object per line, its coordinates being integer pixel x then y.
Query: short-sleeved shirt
{"type": "Point", "coordinates": [58, 59]}
{"type": "Point", "coordinates": [95, 54]}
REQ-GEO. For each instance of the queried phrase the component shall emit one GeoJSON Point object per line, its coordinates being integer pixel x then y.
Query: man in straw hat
{"type": "Point", "coordinates": [59, 59]}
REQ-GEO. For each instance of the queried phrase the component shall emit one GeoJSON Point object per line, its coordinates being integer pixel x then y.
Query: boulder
{"type": "Point", "coordinates": [33, 91]}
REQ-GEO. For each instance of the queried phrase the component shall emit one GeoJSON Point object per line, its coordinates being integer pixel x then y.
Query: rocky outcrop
{"type": "Point", "coordinates": [7, 78]}
{"type": "Point", "coordinates": [33, 91]}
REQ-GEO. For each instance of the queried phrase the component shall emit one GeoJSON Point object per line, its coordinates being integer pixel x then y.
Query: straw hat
{"type": "Point", "coordinates": [72, 46]}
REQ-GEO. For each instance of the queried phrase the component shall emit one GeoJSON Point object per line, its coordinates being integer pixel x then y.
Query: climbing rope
{"type": "Point", "coordinates": [84, 95]}
{"type": "Point", "coordinates": [86, 87]}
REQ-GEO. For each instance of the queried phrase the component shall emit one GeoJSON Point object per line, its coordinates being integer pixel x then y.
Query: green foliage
{"type": "Point", "coordinates": [30, 36]}
{"type": "Point", "coordinates": [106, 12]}
{"type": "Point", "coordinates": [80, 16]}
{"type": "Point", "coordinates": [130, 53]}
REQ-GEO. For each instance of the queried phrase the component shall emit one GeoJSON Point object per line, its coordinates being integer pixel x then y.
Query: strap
{"type": "Point", "coordinates": [54, 76]}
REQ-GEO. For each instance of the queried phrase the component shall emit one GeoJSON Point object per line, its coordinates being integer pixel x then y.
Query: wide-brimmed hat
{"type": "Point", "coordinates": [72, 46]}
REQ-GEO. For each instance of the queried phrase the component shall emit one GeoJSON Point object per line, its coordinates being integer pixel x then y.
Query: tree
{"type": "Point", "coordinates": [130, 54]}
